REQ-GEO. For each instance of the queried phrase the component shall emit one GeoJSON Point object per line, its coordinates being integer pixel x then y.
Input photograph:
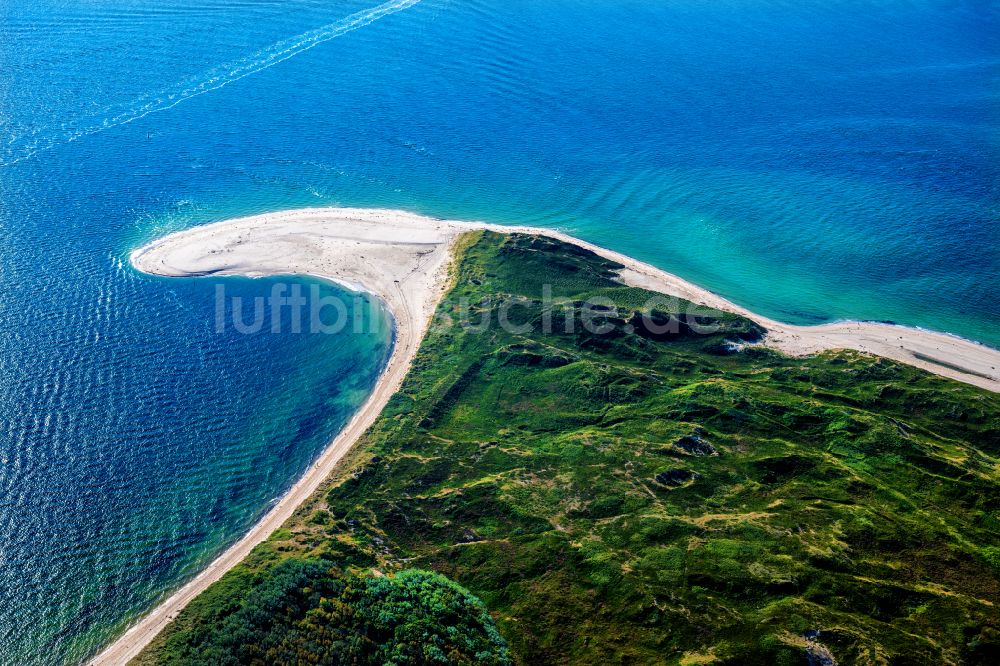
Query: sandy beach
{"type": "Point", "coordinates": [403, 259]}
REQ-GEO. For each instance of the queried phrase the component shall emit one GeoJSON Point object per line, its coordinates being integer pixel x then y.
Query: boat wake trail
{"type": "Point", "coordinates": [19, 148]}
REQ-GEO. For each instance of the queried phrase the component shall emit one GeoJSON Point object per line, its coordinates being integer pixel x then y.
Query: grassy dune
{"type": "Point", "coordinates": [631, 497]}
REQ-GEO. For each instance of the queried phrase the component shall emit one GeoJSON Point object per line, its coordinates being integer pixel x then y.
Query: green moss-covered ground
{"type": "Point", "coordinates": [625, 497]}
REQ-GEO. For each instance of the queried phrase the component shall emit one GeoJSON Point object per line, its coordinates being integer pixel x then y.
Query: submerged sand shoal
{"type": "Point", "coordinates": [402, 258]}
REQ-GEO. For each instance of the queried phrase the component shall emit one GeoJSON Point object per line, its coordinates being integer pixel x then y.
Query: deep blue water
{"type": "Point", "coordinates": [810, 160]}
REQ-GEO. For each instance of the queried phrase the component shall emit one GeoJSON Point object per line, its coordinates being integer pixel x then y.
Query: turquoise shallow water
{"type": "Point", "coordinates": [812, 161]}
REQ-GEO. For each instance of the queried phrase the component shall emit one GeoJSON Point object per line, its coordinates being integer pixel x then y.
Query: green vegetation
{"type": "Point", "coordinates": [631, 496]}
{"type": "Point", "coordinates": [304, 612]}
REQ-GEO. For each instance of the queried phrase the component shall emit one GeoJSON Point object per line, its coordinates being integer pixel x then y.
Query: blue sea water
{"type": "Point", "coordinates": [811, 160]}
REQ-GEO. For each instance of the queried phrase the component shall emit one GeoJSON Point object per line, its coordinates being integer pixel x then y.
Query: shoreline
{"type": "Point", "coordinates": [944, 354]}
{"type": "Point", "coordinates": [405, 265]}
{"type": "Point", "coordinates": [409, 325]}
